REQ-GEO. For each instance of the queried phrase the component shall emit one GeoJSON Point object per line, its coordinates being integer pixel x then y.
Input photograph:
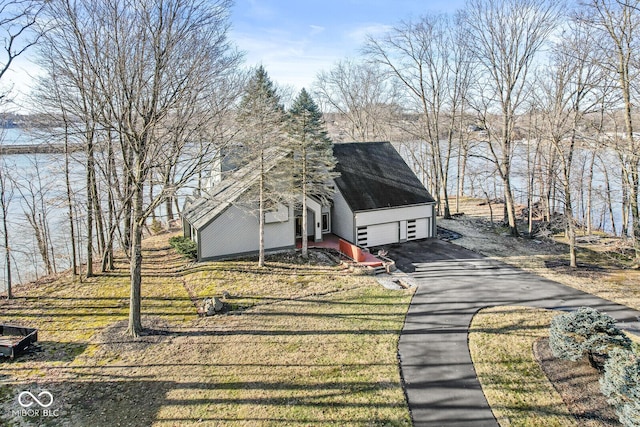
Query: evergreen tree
{"type": "Point", "coordinates": [313, 160]}
{"type": "Point", "coordinates": [262, 129]}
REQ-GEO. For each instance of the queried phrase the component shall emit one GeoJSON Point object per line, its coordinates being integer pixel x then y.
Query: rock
{"type": "Point", "coordinates": [211, 306]}
{"type": "Point", "coordinates": [226, 295]}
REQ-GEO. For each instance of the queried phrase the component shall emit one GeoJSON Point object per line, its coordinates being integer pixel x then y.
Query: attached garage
{"type": "Point", "coordinates": [380, 201]}
{"type": "Point", "coordinates": [378, 234]}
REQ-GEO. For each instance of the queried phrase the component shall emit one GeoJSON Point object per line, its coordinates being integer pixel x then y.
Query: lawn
{"type": "Point", "coordinates": [302, 344]}
{"type": "Point", "coordinates": [501, 344]}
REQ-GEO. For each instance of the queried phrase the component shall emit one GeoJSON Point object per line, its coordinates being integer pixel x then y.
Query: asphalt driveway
{"type": "Point", "coordinates": [453, 284]}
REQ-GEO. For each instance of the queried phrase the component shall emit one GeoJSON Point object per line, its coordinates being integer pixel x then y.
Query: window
{"type": "Point", "coordinates": [362, 236]}
{"type": "Point", "coordinates": [411, 229]}
{"type": "Point", "coordinates": [325, 222]}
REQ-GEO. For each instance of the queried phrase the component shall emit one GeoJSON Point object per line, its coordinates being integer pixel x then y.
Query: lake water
{"type": "Point", "coordinates": [481, 177]}
{"type": "Point", "coordinates": [39, 180]}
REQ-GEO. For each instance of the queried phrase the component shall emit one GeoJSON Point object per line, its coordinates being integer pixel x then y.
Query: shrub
{"type": "Point", "coordinates": [184, 246]}
{"type": "Point", "coordinates": [621, 384]}
{"type": "Point", "coordinates": [156, 227]}
{"type": "Point", "coordinates": [585, 332]}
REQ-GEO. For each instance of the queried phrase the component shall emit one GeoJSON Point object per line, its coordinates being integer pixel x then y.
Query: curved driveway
{"type": "Point", "coordinates": [453, 284]}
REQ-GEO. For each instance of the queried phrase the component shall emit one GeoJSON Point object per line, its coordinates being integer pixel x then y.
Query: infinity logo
{"type": "Point", "coordinates": [27, 403]}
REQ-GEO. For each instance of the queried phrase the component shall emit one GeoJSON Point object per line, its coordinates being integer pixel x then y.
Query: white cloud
{"type": "Point", "coordinates": [316, 29]}
{"type": "Point", "coordinates": [287, 59]}
{"type": "Point", "coordinates": [359, 34]}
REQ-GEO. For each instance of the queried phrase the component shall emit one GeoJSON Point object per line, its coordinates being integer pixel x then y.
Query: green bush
{"type": "Point", "coordinates": [185, 246]}
{"type": "Point", "coordinates": [585, 332]}
{"type": "Point", "coordinates": [621, 384]}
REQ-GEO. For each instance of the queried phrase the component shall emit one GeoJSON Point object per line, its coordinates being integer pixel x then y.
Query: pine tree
{"type": "Point", "coordinates": [262, 121]}
{"type": "Point", "coordinates": [313, 158]}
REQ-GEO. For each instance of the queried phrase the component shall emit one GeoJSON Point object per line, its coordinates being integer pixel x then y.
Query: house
{"type": "Point", "coordinates": [378, 201]}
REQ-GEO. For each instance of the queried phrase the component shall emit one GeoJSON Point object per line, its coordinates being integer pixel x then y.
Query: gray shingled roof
{"type": "Point", "coordinates": [213, 202]}
{"type": "Point", "coordinates": [373, 175]}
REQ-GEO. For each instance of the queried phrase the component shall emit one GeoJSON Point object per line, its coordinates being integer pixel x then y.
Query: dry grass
{"type": "Point", "coordinates": [501, 344]}
{"type": "Point", "coordinates": [306, 344]}
{"type": "Point", "coordinates": [604, 270]}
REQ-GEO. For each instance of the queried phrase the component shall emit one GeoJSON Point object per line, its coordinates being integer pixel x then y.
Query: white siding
{"type": "Point", "coordinates": [314, 226]}
{"type": "Point", "coordinates": [342, 218]}
{"type": "Point", "coordinates": [279, 215]}
{"type": "Point", "coordinates": [382, 234]}
{"type": "Point", "coordinates": [235, 231]}
{"type": "Point", "coordinates": [384, 216]}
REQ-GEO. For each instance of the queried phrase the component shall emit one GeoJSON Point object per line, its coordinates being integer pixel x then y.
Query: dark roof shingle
{"type": "Point", "coordinates": [373, 175]}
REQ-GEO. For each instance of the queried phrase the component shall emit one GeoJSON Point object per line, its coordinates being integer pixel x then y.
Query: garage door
{"type": "Point", "coordinates": [382, 234]}
{"type": "Point", "coordinates": [420, 229]}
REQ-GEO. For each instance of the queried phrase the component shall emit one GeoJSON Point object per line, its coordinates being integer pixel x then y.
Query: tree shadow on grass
{"type": "Point", "coordinates": [123, 401]}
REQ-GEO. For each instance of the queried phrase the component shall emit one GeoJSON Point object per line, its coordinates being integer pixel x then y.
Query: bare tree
{"type": "Point", "coordinates": [569, 91]}
{"type": "Point", "coordinates": [6, 195]}
{"type": "Point", "coordinates": [617, 24]}
{"type": "Point", "coordinates": [144, 69]}
{"type": "Point", "coordinates": [462, 70]}
{"type": "Point", "coordinates": [427, 59]}
{"type": "Point", "coordinates": [19, 32]}
{"type": "Point", "coordinates": [360, 93]}
{"type": "Point", "coordinates": [505, 36]}
{"type": "Point", "coordinates": [35, 191]}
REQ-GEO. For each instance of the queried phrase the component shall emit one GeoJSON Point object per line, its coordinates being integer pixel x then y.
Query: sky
{"type": "Point", "coordinates": [293, 39]}
{"type": "Point", "coordinates": [296, 39]}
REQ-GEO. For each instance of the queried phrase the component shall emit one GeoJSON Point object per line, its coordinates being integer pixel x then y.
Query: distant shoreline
{"type": "Point", "coordinates": [38, 148]}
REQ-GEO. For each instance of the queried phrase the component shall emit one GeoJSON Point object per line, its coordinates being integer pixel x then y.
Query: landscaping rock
{"type": "Point", "coordinates": [211, 306]}
{"type": "Point", "coordinates": [396, 280]}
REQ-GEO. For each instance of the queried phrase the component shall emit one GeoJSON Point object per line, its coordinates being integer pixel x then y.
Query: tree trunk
{"type": "Point", "coordinates": [463, 170]}
{"type": "Point", "coordinates": [90, 205]}
{"type": "Point", "coordinates": [97, 213]}
{"type": "Point", "coordinates": [305, 249]}
{"type": "Point", "coordinates": [7, 259]}
{"type": "Point", "coordinates": [511, 209]}
{"type": "Point", "coordinates": [7, 248]}
{"type": "Point", "coordinates": [635, 210]}
{"type": "Point", "coordinates": [151, 197]}
{"type": "Point", "coordinates": [607, 184]}
{"type": "Point", "coordinates": [169, 209]}
{"type": "Point", "coordinates": [261, 212]}
{"type": "Point", "coordinates": [590, 195]}
{"type": "Point", "coordinates": [305, 244]}
{"type": "Point", "coordinates": [571, 227]}
{"type": "Point", "coordinates": [74, 256]}
{"type": "Point", "coordinates": [135, 322]}
{"type": "Point", "coordinates": [625, 205]}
